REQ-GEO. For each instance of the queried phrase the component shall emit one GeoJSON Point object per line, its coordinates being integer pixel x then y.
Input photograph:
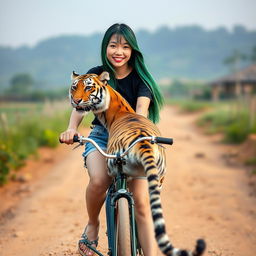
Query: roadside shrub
{"type": "Point", "coordinates": [215, 121]}
{"type": "Point", "coordinates": [23, 132]}
{"type": "Point", "coordinates": [49, 138]}
{"type": "Point", "coordinates": [195, 106]}
{"type": "Point", "coordinates": [4, 166]}
{"type": "Point", "coordinates": [251, 161]}
{"type": "Point", "coordinates": [236, 133]}
{"type": "Point", "coordinates": [190, 106]}
{"type": "Point", "coordinates": [235, 126]}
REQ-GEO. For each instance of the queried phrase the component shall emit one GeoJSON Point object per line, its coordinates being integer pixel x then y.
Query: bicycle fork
{"type": "Point", "coordinates": [111, 209]}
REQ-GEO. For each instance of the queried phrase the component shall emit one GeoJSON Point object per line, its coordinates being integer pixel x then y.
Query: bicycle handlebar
{"type": "Point", "coordinates": [163, 140]}
{"type": "Point", "coordinates": [152, 139]}
{"type": "Point", "coordinates": [160, 140]}
{"type": "Point", "coordinates": [76, 138]}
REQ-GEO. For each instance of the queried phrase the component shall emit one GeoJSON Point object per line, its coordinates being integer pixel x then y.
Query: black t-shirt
{"type": "Point", "coordinates": [130, 87]}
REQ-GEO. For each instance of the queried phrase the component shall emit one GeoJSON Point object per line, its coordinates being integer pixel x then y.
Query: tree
{"type": "Point", "coordinates": [21, 83]}
{"type": "Point", "coordinates": [235, 59]}
{"type": "Point", "coordinates": [253, 55]}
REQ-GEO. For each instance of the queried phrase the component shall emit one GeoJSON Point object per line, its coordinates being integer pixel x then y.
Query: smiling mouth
{"type": "Point", "coordinates": [118, 59]}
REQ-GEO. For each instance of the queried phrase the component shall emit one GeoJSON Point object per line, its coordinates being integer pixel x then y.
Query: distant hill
{"type": "Point", "coordinates": [187, 52]}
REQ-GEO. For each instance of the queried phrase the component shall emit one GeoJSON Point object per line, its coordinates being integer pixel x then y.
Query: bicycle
{"type": "Point", "coordinates": [120, 216]}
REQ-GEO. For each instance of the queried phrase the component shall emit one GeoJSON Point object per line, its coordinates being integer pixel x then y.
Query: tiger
{"type": "Point", "coordinates": [91, 92]}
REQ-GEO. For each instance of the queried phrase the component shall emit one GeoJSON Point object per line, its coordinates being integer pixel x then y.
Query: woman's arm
{"type": "Point", "coordinates": [142, 106]}
{"type": "Point", "coordinates": [74, 122]}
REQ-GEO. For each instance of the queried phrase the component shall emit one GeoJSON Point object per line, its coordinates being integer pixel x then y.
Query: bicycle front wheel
{"type": "Point", "coordinates": [123, 236]}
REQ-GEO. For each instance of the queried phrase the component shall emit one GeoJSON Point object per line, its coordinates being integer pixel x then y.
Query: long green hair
{"type": "Point", "coordinates": [137, 62]}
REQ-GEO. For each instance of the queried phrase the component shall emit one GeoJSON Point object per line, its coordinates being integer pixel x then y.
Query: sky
{"type": "Point", "coordinates": [27, 22]}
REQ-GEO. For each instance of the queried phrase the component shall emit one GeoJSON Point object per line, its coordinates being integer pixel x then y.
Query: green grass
{"type": "Point", "coordinates": [251, 161]}
{"type": "Point", "coordinates": [191, 106]}
{"type": "Point", "coordinates": [231, 118]}
{"type": "Point", "coordinates": [215, 120]}
{"type": "Point", "coordinates": [234, 123]}
{"type": "Point", "coordinates": [25, 127]}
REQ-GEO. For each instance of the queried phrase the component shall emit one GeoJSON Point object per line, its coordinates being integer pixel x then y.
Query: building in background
{"type": "Point", "coordinates": [241, 82]}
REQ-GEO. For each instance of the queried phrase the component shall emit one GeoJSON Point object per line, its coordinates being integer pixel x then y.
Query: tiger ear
{"type": "Point", "coordinates": [104, 77]}
{"type": "Point", "coordinates": [74, 75]}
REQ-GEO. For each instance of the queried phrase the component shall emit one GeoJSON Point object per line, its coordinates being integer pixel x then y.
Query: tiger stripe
{"type": "Point", "coordinates": [91, 92]}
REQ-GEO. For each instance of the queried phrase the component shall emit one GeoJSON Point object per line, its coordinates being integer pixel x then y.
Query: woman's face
{"type": "Point", "coordinates": [118, 51]}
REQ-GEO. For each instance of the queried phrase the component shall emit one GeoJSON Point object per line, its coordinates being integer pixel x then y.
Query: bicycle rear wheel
{"type": "Point", "coordinates": [123, 236]}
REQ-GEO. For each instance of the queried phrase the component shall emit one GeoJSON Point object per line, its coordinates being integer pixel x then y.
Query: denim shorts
{"type": "Point", "coordinates": [100, 135]}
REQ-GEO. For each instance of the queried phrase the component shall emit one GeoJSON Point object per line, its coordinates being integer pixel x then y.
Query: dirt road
{"type": "Point", "coordinates": [202, 197]}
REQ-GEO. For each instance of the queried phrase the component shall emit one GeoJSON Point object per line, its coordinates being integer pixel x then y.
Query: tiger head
{"type": "Point", "coordinates": [89, 92]}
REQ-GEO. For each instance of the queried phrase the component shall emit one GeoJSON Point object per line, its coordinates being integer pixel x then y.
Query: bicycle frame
{"type": "Point", "coordinates": [118, 190]}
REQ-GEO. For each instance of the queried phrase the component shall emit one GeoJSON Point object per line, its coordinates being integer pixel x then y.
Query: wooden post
{"type": "Point", "coordinates": [238, 89]}
{"type": "Point", "coordinates": [215, 92]}
{"type": "Point", "coordinates": [252, 111]}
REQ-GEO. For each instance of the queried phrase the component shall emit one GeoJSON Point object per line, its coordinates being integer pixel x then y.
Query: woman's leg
{"type": "Point", "coordinates": [95, 194]}
{"type": "Point", "coordinates": [139, 188]}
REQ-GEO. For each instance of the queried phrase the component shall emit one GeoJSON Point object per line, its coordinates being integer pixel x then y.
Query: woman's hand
{"type": "Point", "coordinates": [68, 135]}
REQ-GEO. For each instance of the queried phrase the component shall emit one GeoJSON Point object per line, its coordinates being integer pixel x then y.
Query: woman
{"type": "Point", "coordinates": [123, 60]}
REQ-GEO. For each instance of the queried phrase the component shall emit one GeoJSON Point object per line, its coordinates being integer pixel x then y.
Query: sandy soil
{"type": "Point", "coordinates": [204, 195]}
